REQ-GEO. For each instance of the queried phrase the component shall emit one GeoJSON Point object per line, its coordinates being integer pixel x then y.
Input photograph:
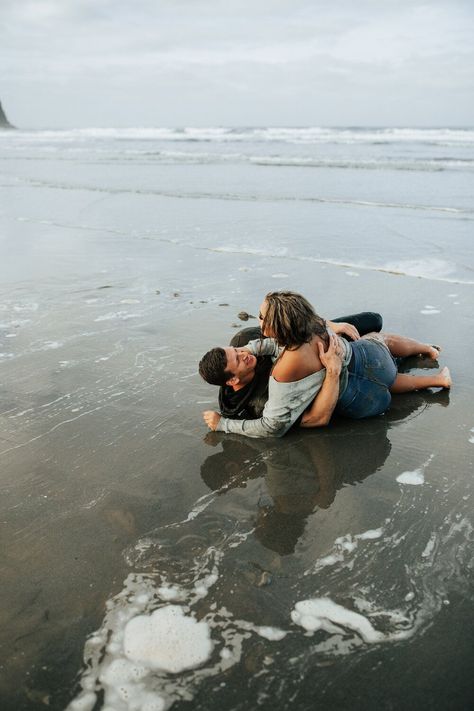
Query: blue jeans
{"type": "Point", "coordinates": [371, 372]}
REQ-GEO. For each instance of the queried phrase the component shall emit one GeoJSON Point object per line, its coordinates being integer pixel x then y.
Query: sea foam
{"type": "Point", "coordinates": [303, 135]}
{"type": "Point", "coordinates": [167, 640]}
{"type": "Point", "coordinates": [415, 478]}
{"type": "Point", "coordinates": [323, 613]}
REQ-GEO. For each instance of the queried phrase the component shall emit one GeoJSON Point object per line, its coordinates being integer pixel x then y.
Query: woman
{"type": "Point", "coordinates": [355, 379]}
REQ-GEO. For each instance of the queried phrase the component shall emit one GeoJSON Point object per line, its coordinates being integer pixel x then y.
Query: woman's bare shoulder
{"type": "Point", "coordinates": [295, 365]}
{"type": "Point", "coordinates": [286, 371]}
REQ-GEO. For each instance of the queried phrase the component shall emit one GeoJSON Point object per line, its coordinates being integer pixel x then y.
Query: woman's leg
{"type": "Point", "coordinates": [402, 347]}
{"type": "Point", "coordinates": [408, 383]}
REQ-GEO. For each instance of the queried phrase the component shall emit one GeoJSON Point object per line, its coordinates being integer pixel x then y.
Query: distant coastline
{"type": "Point", "coordinates": [4, 122]}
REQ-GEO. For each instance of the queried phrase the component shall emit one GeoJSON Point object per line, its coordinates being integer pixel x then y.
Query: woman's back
{"type": "Point", "coordinates": [298, 363]}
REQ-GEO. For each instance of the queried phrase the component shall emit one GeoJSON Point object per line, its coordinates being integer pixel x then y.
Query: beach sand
{"type": "Point", "coordinates": [116, 500]}
{"type": "Point", "coordinates": [103, 447]}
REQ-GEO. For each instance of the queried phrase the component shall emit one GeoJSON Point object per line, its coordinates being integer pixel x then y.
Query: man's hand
{"type": "Point", "coordinates": [345, 329]}
{"type": "Point", "coordinates": [211, 418]}
{"type": "Point", "coordinates": [320, 411]}
{"type": "Point", "coordinates": [332, 358]}
{"type": "Point", "coordinates": [212, 438]}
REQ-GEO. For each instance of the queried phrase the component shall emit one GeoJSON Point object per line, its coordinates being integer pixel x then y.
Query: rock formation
{"type": "Point", "coordinates": [4, 122]}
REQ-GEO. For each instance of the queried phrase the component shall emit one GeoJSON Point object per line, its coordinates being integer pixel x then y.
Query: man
{"type": "Point", "coordinates": [243, 377]}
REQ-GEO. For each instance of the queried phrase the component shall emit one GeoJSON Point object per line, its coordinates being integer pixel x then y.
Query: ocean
{"type": "Point", "coordinates": [389, 199]}
{"type": "Point", "coordinates": [150, 564]}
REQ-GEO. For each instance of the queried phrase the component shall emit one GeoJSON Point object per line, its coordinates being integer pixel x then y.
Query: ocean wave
{"type": "Point", "coordinates": [105, 154]}
{"type": "Point", "coordinates": [245, 197]}
{"type": "Point", "coordinates": [432, 165]}
{"type": "Point", "coordinates": [304, 135]}
{"type": "Point", "coordinates": [101, 155]}
{"type": "Point", "coordinates": [431, 269]}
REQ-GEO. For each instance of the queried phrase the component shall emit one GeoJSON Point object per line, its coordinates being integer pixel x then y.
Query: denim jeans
{"type": "Point", "coordinates": [371, 372]}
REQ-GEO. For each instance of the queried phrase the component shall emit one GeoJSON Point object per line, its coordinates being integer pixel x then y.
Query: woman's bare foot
{"type": "Point", "coordinates": [445, 380]}
{"type": "Point", "coordinates": [432, 352]}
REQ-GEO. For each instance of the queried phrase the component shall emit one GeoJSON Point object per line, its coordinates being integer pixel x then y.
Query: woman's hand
{"type": "Point", "coordinates": [211, 418]}
{"type": "Point", "coordinates": [345, 329]}
{"type": "Point", "coordinates": [332, 358]}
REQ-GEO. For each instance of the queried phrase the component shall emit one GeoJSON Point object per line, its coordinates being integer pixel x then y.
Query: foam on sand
{"type": "Point", "coordinates": [430, 268]}
{"type": "Point", "coordinates": [322, 613]}
{"type": "Point", "coordinates": [149, 652]}
{"type": "Point", "coordinates": [370, 534]}
{"type": "Point", "coordinates": [346, 545]}
{"type": "Point", "coordinates": [167, 640]}
{"type": "Point", "coordinates": [271, 633]}
{"type": "Point", "coordinates": [415, 478]}
{"type": "Point", "coordinates": [132, 655]}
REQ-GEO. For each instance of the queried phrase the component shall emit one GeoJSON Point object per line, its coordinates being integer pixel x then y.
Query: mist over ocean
{"type": "Point", "coordinates": [331, 569]}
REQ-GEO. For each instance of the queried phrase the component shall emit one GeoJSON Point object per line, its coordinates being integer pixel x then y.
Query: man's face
{"type": "Point", "coordinates": [241, 364]}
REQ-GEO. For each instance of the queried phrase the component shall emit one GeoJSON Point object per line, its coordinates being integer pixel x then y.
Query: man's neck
{"type": "Point", "coordinates": [241, 384]}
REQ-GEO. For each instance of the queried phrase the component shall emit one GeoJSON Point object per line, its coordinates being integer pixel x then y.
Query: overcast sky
{"type": "Point", "coordinates": [69, 63]}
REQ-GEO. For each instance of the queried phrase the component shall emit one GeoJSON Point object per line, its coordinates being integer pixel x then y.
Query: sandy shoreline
{"type": "Point", "coordinates": [102, 447]}
{"type": "Point", "coordinates": [323, 556]}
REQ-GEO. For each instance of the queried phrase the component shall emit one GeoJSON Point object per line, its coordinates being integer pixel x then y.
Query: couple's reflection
{"type": "Point", "coordinates": [304, 470]}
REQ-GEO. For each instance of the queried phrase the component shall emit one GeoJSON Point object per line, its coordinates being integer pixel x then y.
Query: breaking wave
{"type": "Point", "coordinates": [305, 135]}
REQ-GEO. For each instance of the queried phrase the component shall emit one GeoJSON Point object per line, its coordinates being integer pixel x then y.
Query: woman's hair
{"type": "Point", "coordinates": [292, 320]}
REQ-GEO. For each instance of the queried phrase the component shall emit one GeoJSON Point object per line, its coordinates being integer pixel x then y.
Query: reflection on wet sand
{"type": "Point", "coordinates": [304, 471]}
{"type": "Point", "coordinates": [228, 567]}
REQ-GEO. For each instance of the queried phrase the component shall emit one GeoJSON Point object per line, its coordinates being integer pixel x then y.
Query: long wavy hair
{"type": "Point", "coordinates": [291, 320]}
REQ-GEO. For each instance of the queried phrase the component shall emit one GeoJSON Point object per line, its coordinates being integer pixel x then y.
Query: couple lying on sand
{"type": "Point", "coordinates": [305, 368]}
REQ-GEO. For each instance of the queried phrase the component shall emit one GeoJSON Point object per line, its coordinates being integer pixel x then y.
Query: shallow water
{"type": "Point", "coordinates": [120, 265]}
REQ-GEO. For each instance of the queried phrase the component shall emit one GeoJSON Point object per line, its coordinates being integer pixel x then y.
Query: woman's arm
{"type": "Point", "coordinates": [263, 346]}
{"type": "Point", "coordinates": [342, 328]}
{"type": "Point", "coordinates": [323, 405]}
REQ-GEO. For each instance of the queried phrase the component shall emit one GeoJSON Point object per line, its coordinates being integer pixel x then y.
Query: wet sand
{"type": "Point", "coordinates": [329, 569]}
{"type": "Point", "coordinates": [111, 485]}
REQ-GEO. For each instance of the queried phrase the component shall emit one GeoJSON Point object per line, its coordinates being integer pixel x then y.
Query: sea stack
{"type": "Point", "coordinates": [4, 122]}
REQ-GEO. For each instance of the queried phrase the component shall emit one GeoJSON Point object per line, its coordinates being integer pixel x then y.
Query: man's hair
{"type": "Point", "coordinates": [212, 367]}
{"type": "Point", "coordinates": [291, 319]}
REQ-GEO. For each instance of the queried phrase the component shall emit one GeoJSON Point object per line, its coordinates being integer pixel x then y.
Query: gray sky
{"type": "Point", "coordinates": [69, 63]}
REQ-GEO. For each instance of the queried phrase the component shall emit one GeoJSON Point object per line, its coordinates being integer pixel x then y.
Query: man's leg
{"type": "Point", "coordinates": [365, 322]}
{"type": "Point", "coordinates": [241, 338]}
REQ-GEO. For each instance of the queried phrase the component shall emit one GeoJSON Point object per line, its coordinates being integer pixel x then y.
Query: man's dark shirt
{"type": "Point", "coordinates": [248, 402]}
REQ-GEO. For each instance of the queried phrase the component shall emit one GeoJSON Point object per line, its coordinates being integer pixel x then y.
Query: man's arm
{"type": "Point", "coordinates": [323, 405]}
{"type": "Point", "coordinates": [262, 427]}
